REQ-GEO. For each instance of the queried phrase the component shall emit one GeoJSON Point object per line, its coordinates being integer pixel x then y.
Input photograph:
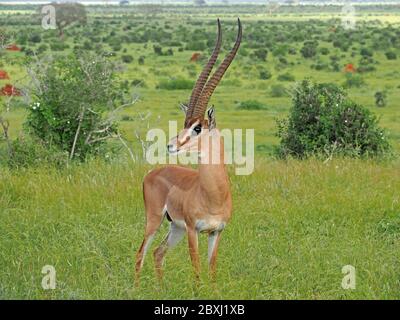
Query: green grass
{"type": "Point", "coordinates": [295, 225]}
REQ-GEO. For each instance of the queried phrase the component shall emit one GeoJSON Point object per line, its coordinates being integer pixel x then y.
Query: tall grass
{"type": "Point", "coordinates": [295, 225]}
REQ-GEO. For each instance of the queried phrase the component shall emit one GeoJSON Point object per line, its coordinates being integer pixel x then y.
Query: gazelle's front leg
{"type": "Point", "coordinates": [194, 249]}
{"type": "Point", "coordinates": [213, 242]}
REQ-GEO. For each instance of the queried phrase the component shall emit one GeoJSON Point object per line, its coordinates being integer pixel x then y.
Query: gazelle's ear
{"type": "Point", "coordinates": [183, 107]}
{"type": "Point", "coordinates": [211, 118]}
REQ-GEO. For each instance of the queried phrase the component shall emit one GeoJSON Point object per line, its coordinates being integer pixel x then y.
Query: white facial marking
{"type": "Point", "coordinates": [188, 133]}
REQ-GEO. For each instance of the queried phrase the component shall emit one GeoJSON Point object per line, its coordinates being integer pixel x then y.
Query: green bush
{"type": "Point", "coordinates": [175, 84]}
{"type": "Point", "coordinates": [309, 49]}
{"type": "Point", "coordinates": [196, 46]}
{"type": "Point", "coordinates": [58, 46]}
{"type": "Point", "coordinates": [380, 98]}
{"type": "Point", "coordinates": [286, 77]}
{"type": "Point", "coordinates": [35, 38]}
{"type": "Point", "coordinates": [127, 58]}
{"type": "Point", "coordinates": [30, 152]}
{"type": "Point", "coordinates": [252, 105]}
{"type": "Point", "coordinates": [265, 75]}
{"type": "Point", "coordinates": [71, 97]}
{"type": "Point", "coordinates": [390, 55]}
{"type": "Point", "coordinates": [261, 54]}
{"type": "Point", "coordinates": [323, 120]}
{"type": "Point", "coordinates": [278, 91]}
{"type": "Point", "coordinates": [365, 52]}
{"type": "Point", "coordinates": [353, 81]}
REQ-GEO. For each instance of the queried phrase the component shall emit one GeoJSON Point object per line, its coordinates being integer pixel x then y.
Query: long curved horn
{"type": "Point", "coordinates": [209, 88]}
{"type": "Point", "coordinates": [201, 81]}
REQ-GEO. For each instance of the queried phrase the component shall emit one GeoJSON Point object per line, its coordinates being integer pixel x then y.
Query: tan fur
{"type": "Point", "coordinates": [196, 200]}
{"type": "Point", "coordinates": [190, 196]}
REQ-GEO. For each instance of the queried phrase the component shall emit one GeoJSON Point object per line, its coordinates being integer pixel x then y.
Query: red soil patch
{"type": "Point", "coordinates": [350, 68]}
{"type": "Point", "coordinates": [9, 90]}
{"type": "Point", "coordinates": [3, 75]}
{"type": "Point", "coordinates": [13, 47]}
{"type": "Point", "coordinates": [195, 57]}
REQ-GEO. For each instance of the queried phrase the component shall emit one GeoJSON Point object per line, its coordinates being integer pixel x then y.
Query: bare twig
{"type": "Point", "coordinates": [5, 124]}
{"type": "Point", "coordinates": [126, 146]}
{"type": "Point", "coordinates": [81, 115]}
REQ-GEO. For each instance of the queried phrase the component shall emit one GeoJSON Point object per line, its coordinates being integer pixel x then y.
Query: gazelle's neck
{"type": "Point", "coordinates": [214, 180]}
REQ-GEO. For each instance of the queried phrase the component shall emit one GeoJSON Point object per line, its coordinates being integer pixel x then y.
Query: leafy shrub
{"type": "Point", "coordinates": [324, 51]}
{"type": "Point", "coordinates": [127, 58]}
{"type": "Point", "coordinates": [366, 68]}
{"type": "Point", "coordinates": [175, 84]}
{"type": "Point", "coordinates": [390, 55]}
{"type": "Point", "coordinates": [353, 80]}
{"type": "Point", "coordinates": [196, 46]}
{"type": "Point", "coordinates": [116, 47]}
{"type": "Point", "coordinates": [365, 52]}
{"type": "Point", "coordinates": [265, 75]}
{"type": "Point", "coordinates": [35, 38]}
{"type": "Point", "coordinates": [278, 91]}
{"type": "Point", "coordinates": [286, 77]}
{"type": "Point", "coordinates": [157, 50]}
{"type": "Point", "coordinates": [380, 98]}
{"type": "Point", "coordinates": [71, 96]}
{"type": "Point", "coordinates": [252, 105]}
{"type": "Point", "coordinates": [87, 45]}
{"type": "Point", "coordinates": [30, 152]}
{"type": "Point", "coordinates": [42, 48]}
{"type": "Point", "coordinates": [261, 54]}
{"type": "Point", "coordinates": [323, 120]}
{"type": "Point", "coordinates": [309, 49]}
{"type": "Point", "coordinates": [58, 46]}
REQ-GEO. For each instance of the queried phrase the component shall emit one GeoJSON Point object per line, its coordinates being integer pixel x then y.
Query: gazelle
{"type": "Point", "coordinates": [192, 200]}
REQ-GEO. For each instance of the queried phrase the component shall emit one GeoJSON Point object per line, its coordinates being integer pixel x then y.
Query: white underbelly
{"type": "Point", "coordinates": [203, 225]}
{"type": "Point", "coordinates": [209, 225]}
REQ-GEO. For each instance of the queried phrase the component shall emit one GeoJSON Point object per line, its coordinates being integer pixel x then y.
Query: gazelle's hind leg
{"type": "Point", "coordinates": [173, 237]}
{"type": "Point", "coordinates": [213, 242]}
{"type": "Point", "coordinates": [155, 212]}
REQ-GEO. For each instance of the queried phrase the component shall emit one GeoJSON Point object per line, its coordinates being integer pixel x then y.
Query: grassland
{"type": "Point", "coordinates": [295, 223]}
{"type": "Point", "coordinates": [295, 226]}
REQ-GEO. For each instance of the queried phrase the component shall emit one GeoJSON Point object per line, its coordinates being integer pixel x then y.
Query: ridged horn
{"type": "Point", "coordinates": [201, 81]}
{"type": "Point", "coordinates": [209, 88]}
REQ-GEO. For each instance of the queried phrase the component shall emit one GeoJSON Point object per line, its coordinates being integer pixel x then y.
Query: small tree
{"type": "Point", "coordinates": [200, 2]}
{"type": "Point", "coordinates": [74, 102]}
{"type": "Point", "coordinates": [68, 14]}
{"type": "Point", "coordinates": [380, 98]}
{"type": "Point", "coordinates": [391, 55]}
{"type": "Point", "coordinates": [324, 121]}
{"type": "Point", "coordinates": [309, 49]}
{"type": "Point", "coordinates": [261, 54]}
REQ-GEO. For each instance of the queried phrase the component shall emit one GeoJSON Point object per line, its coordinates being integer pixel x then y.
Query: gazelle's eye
{"type": "Point", "coordinates": [197, 129]}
